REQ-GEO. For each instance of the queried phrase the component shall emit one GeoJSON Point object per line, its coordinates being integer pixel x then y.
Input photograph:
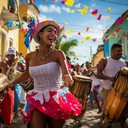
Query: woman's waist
{"type": "Point", "coordinates": [42, 89]}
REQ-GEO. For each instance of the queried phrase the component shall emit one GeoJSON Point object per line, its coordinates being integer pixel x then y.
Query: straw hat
{"type": "Point", "coordinates": [42, 25]}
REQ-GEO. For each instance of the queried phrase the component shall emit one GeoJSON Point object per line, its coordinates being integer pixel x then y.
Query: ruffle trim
{"type": "Point", "coordinates": [59, 104]}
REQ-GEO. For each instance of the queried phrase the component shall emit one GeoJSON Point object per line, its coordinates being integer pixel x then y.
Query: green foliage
{"type": "Point", "coordinates": [66, 45]}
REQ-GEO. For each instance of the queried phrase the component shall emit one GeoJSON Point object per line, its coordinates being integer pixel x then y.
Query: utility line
{"type": "Point", "coordinates": [114, 2]}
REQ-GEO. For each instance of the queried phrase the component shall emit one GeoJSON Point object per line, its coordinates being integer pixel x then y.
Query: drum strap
{"type": "Point", "coordinates": [10, 72]}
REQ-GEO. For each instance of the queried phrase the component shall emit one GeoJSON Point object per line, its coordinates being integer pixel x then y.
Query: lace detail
{"type": "Point", "coordinates": [46, 76]}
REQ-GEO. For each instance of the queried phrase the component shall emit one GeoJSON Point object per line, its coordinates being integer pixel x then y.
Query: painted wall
{"type": "Point", "coordinates": [97, 57]}
{"type": "Point", "coordinates": [8, 37]}
{"type": "Point", "coordinates": [121, 38]}
{"type": "Point", "coordinates": [3, 32]}
{"type": "Point", "coordinates": [3, 5]}
{"type": "Point", "coordinates": [25, 12]}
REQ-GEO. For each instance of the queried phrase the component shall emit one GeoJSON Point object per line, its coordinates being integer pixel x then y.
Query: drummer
{"type": "Point", "coordinates": [107, 68]}
{"type": "Point", "coordinates": [8, 66]}
{"type": "Point", "coordinates": [76, 70]}
{"type": "Point", "coordinates": [88, 72]}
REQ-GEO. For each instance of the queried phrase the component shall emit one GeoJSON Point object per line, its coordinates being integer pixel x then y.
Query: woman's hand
{"type": "Point", "coordinates": [68, 80]}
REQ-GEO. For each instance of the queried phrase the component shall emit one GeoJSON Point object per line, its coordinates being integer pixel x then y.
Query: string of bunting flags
{"type": "Point", "coordinates": [95, 12]}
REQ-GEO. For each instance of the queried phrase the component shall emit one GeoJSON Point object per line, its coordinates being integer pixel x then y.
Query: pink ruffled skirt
{"type": "Point", "coordinates": [59, 104]}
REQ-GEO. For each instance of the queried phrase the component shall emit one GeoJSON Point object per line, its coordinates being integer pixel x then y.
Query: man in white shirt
{"type": "Point", "coordinates": [107, 69]}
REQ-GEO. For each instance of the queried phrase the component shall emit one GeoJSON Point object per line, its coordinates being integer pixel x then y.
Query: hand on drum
{"type": "Point", "coordinates": [68, 80]}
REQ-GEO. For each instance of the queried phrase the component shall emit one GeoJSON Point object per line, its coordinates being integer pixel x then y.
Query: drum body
{"type": "Point", "coordinates": [81, 89]}
{"type": "Point", "coordinates": [117, 100]}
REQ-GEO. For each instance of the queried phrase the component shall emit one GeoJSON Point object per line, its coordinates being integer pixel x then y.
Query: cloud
{"type": "Point", "coordinates": [94, 32]}
{"type": "Point", "coordinates": [66, 9]}
{"type": "Point", "coordinates": [53, 9]}
{"type": "Point", "coordinates": [50, 9]}
{"type": "Point", "coordinates": [42, 17]}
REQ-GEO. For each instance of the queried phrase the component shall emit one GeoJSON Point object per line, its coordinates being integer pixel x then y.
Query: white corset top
{"type": "Point", "coordinates": [47, 76]}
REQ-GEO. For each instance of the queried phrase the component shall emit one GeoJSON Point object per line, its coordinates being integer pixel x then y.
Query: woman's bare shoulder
{"type": "Point", "coordinates": [30, 54]}
{"type": "Point", "coordinates": [56, 51]}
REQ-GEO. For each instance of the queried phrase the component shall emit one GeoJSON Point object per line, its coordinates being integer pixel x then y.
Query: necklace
{"type": "Point", "coordinates": [47, 55]}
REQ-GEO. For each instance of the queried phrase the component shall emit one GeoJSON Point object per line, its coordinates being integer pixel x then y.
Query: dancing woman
{"type": "Point", "coordinates": [49, 104]}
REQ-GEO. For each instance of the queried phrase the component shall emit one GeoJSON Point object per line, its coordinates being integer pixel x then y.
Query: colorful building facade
{"type": "Point", "coordinates": [13, 17]}
{"type": "Point", "coordinates": [117, 33]}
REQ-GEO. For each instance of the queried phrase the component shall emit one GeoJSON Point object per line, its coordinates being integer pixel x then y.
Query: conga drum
{"type": "Point", "coordinates": [117, 100]}
{"type": "Point", "coordinates": [4, 81]}
{"type": "Point", "coordinates": [81, 89]}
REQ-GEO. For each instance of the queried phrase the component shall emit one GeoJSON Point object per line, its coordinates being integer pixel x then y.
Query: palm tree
{"type": "Point", "coordinates": [67, 45]}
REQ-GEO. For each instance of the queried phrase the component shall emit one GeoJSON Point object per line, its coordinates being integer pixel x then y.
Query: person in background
{"type": "Point", "coordinates": [96, 83]}
{"type": "Point", "coordinates": [88, 72]}
{"type": "Point", "coordinates": [8, 67]}
{"type": "Point", "coordinates": [107, 69]}
{"type": "Point", "coordinates": [18, 89]}
{"type": "Point", "coordinates": [76, 70]}
{"type": "Point", "coordinates": [48, 68]}
{"type": "Point", "coordinates": [70, 68]}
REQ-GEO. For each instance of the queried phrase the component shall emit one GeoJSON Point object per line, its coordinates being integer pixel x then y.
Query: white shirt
{"type": "Point", "coordinates": [111, 69]}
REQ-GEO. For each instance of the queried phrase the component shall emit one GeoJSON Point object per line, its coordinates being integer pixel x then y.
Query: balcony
{"type": "Point", "coordinates": [8, 16]}
{"type": "Point", "coordinates": [27, 11]}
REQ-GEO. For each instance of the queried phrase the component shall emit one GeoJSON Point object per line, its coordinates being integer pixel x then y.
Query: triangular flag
{"type": "Point", "coordinates": [94, 12]}
{"type": "Point", "coordinates": [82, 41]}
{"type": "Point", "coordinates": [120, 20]}
{"type": "Point", "coordinates": [84, 10]}
{"type": "Point", "coordinates": [87, 29]}
{"type": "Point", "coordinates": [72, 11]}
{"type": "Point", "coordinates": [99, 17]}
{"type": "Point", "coordinates": [69, 2]}
{"type": "Point", "coordinates": [69, 31]}
{"type": "Point", "coordinates": [118, 29]}
{"type": "Point", "coordinates": [108, 10]}
{"type": "Point", "coordinates": [115, 34]}
{"type": "Point", "coordinates": [65, 22]}
{"type": "Point", "coordinates": [79, 33]}
{"type": "Point", "coordinates": [88, 37]}
{"type": "Point", "coordinates": [108, 17]}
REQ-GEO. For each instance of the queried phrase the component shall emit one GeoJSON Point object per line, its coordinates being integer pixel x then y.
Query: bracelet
{"type": "Point", "coordinates": [66, 75]}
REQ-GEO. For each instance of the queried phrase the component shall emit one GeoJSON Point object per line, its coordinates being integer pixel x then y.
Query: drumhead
{"type": "Point", "coordinates": [3, 81]}
{"type": "Point", "coordinates": [83, 77]}
{"type": "Point", "coordinates": [124, 70]}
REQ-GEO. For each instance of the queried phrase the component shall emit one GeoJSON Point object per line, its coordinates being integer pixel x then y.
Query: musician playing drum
{"type": "Point", "coordinates": [108, 68]}
{"type": "Point", "coordinates": [8, 68]}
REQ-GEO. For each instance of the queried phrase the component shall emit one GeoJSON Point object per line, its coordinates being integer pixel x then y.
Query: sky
{"type": "Point", "coordinates": [86, 28]}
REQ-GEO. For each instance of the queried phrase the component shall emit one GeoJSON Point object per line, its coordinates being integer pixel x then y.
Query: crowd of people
{"type": "Point", "coordinates": [12, 66]}
{"type": "Point", "coordinates": [51, 73]}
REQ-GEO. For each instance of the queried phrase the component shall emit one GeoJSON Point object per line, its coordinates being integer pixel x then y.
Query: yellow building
{"type": "Point", "coordinates": [12, 11]}
{"type": "Point", "coordinates": [26, 12]}
{"type": "Point", "coordinates": [98, 55]}
{"type": "Point", "coordinates": [8, 35]}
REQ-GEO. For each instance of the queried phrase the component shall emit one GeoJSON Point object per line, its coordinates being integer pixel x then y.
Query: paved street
{"type": "Point", "coordinates": [90, 120]}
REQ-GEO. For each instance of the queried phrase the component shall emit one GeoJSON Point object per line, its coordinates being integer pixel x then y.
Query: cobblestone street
{"type": "Point", "coordinates": [90, 120]}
